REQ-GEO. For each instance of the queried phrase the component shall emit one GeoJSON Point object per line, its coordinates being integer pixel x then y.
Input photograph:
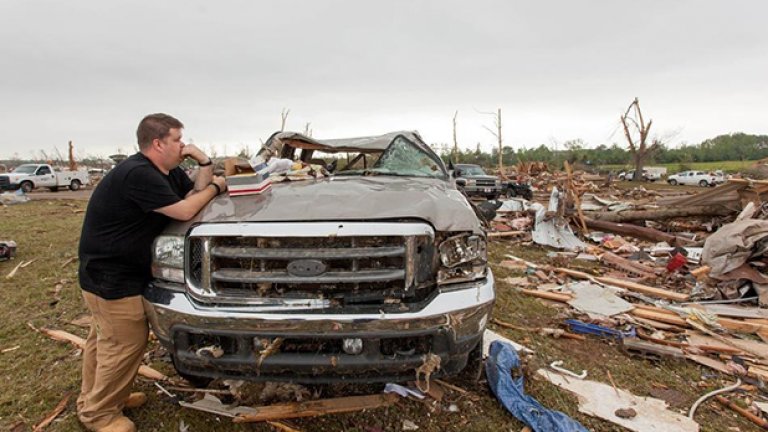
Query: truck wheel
{"type": "Point", "coordinates": [673, 182]}
{"type": "Point", "coordinates": [26, 186]}
{"type": "Point", "coordinates": [75, 185]}
{"type": "Point", "coordinates": [703, 183]}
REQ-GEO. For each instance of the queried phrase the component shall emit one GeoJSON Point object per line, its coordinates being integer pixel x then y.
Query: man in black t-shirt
{"type": "Point", "coordinates": [130, 207]}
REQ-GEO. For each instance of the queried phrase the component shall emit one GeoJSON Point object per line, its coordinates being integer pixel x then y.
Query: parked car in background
{"type": "Point", "coordinates": [695, 178]}
{"type": "Point", "coordinates": [650, 173]}
{"type": "Point", "coordinates": [473, 181]}
{"type": "Point", "coordinates": [630, 175]}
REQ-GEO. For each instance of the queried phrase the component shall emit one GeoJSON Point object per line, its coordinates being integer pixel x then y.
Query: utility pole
{"type": "Point", "coordinates": [455, 142]}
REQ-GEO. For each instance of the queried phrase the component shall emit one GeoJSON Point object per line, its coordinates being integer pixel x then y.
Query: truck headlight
{"type": "Point", "coordinates": [168, 258]}
{"type": "Point", "coordinates": [463, 258]}
{"type": "Point", "coordinates": [471, 182]}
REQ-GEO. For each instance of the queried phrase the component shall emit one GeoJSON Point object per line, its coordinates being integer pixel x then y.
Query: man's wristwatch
{"type": "Point", "coordinates": [218, 189]}
{"type": "Point", "coordinates": [205, 164]}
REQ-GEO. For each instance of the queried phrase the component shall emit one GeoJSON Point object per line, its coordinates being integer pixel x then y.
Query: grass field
{"type": "Point", "coordinates": [40, 372]}
{"type": "Point", "coordinates": [727, 166]}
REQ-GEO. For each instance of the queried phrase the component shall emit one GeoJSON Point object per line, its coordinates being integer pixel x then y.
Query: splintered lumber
{"type": "Point", "coordinates": [506, 234]}
{"type": "Point", "coordinates": [61, 335]}
{"type": "Point", "coordinates": [643, 233]}
{"type": "Point", "coordinates": [556, 333]}
{"type": "Point", "coordinates": [660, 317]}
{"type": "Point", "coordinates": [574, 273]}
{"type": "Point", "coordinates": [743, 412]}
{"type": "Point", "coordinates": [558, 297]}
{"type": "Point", "coordinates": [644, 289]}
{"type": "Point", "coordinates": [316, 408]}
{"type": "Point", "coordinates": [663, 214]}
{"type": "Point", "coordinates": [53, 414]}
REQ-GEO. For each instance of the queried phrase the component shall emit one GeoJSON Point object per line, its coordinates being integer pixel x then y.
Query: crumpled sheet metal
{"type": "Point", "coordinates": [732, 245]}
{"type": "Point", "coordinates": [514, 205]}
{"type": "Point", "coordinates": [592, 202]}
{"type": "Point", "coordinates": [602, 400]}
{"type": "Point", "coordinates": [502, 359]}
{"type": "Point", "coordinates": [554, 232]}
{"type": "Point", "coordinates": [350, 198]}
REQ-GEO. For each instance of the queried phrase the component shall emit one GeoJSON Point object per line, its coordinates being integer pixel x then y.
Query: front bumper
{"type": "Point", "coordinates": [486, 191]}
{"type": "Point", "coordinates": [394, 344]}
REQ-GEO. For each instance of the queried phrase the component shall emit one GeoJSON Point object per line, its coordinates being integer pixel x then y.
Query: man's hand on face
{"type": "Point", "coordinates": [191, 151]}
{"type": "Point", "coordinates": [221, 182]}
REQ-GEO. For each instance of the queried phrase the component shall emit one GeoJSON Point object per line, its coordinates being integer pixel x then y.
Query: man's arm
{"type": "Point", "coordinates": [187, 208]}
{"type": "Point", "coordinates": [204, 173]}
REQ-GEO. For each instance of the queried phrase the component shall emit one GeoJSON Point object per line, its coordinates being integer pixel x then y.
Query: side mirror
{"type": "Point", "coordinates": [461, 182]}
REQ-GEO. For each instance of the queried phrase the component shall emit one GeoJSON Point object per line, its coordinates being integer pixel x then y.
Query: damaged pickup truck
{"type": "Point", "coordinates": [369, 274]}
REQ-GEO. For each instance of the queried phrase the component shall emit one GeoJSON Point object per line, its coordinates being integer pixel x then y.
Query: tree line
{"type": "Point", "coordinates": [735, 146]}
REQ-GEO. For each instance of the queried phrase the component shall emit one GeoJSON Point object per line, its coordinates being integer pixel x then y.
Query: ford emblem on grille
{"type": "Point", "coordinates": [307, 268]}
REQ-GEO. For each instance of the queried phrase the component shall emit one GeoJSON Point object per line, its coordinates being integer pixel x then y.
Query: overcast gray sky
{"type": "Point", "coordinates": [88, 71]}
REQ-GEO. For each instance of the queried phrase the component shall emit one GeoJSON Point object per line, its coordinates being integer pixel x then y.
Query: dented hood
{"type": "Point", "coordinates": [352, 198]}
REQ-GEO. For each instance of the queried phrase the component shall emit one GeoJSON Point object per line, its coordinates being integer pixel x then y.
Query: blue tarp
{"type": "Point", "coordinates": [502, 360]}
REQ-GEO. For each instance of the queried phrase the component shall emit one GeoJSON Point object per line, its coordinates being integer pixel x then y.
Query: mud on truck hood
{"type": "Point", "coordinates": [340, 198]}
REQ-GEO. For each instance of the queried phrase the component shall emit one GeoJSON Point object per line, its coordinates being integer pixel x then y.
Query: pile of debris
{"type": "Point", "coordinates": [664, 276]}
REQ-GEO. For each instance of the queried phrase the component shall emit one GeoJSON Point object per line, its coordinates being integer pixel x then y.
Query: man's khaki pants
{"type": "Point", "coordinates": [111, 359]}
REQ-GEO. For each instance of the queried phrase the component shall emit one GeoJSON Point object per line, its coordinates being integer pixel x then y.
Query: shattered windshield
{"type": "Point", "coordinates": [403, 158]}
{"type": "Point", "coordinates": [25, 169]}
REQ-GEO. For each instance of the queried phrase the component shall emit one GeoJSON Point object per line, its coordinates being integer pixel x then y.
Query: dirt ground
{"type": "Point", "coordinates": [40, 372]}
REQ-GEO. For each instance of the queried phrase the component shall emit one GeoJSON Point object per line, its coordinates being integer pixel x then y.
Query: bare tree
{"type": "Point", "coordinates": [307, 130]}
{"type": "Point", "coordinates": [497, 134]}
{"type": "Point", "coordinates": [283, 118]}
{"type": "Point", "coordinates": [455, 142]}
{"type": "Point", "coordinates": [636, 131]}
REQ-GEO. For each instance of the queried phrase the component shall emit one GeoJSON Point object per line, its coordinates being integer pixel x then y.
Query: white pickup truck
{"type": "Point", "coordinates": [694, 178]}
{"type": "Point", "coordinates": [32, 176]}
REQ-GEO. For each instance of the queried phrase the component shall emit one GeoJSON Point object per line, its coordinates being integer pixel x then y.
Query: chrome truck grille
{"type": "Point", "coordinates": [337, 263]}
{"type": "Point", "coordinates": [484, 182]}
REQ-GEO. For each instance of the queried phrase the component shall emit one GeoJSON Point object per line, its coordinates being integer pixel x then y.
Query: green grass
{"type": "Point", "coordinates": [672, 168]}
{"type": "Point", "coordinates": [37, 375]}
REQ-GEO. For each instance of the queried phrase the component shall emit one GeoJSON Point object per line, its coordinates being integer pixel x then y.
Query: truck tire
{"type": "Point", "coordinates": [673, 182]}
{"type": "Point", "coordinates": [26, 186]}
{"type": "Point", "coordinates": [75, 185]}
{"type": "Point", "coordinates": [703, 183]}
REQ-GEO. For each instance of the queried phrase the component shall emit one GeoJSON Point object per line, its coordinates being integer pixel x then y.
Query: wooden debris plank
{"type": "Point", "coordinates": [506, 234]}
{"type": "Point", "coordinates": [558, 297]}
{"type": "Point", "coordinates": [644, 289]}
{"type": "Point", "coordinates": [316, 408]}
{"type": "Point", "coordinates": [661, 317]}
{"type": "Point", "coordinates": [574, 273]}
{"type": "Point", "coordinates": [710, 363]}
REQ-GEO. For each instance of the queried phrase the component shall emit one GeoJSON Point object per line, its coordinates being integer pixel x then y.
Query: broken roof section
{"type": "Point", "coordinates": [369, 144]}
